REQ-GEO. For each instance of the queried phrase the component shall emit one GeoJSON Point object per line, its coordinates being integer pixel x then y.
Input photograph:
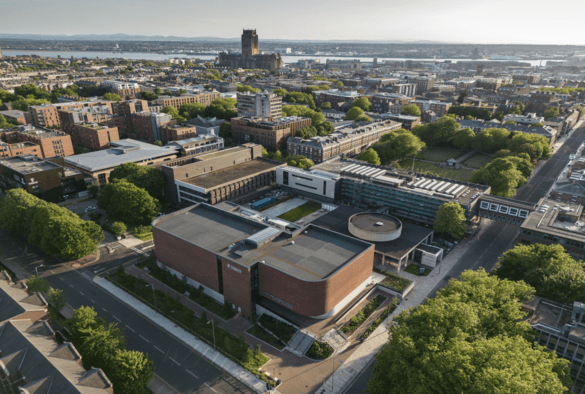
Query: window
{"type": "Point", "coordinates": [324, 187]}
{"type": "Point", "coordinates": [285, 177]}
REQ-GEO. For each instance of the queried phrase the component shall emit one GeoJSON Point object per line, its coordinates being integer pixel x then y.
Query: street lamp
{"type": "Point", "coordinates": [37, 268]}
{"type": "Point", "coordinates": [333, 375]}
{"type": "Point", "coordinates": [213, 330]}
{"type": "Point", "coordinates": [153, 296]}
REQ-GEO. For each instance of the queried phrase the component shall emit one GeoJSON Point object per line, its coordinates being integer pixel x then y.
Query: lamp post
{"type": "Point", "coordinates": [37, 268]}
{"type": "Point", "coordinates": [153, 296]}
{"type": "Point", "coordinates": [213, 331]}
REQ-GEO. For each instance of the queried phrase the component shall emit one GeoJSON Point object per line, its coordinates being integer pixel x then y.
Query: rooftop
{"type": "Point", "coordinates": [232, 173]}
{"type": "Point", "coordinates": [546, 220]}
{"type": "Point", "coordinates": [375, 222]}
{"type": "Point", "coordinates": [313, 254]}
{"type": "Point", "coordinates": [15, 300]}
{"type": "Point", "coordinates": [28, 164]}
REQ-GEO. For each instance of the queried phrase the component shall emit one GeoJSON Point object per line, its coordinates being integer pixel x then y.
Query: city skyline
{"type": "Point", "coordinates": [453, 21]}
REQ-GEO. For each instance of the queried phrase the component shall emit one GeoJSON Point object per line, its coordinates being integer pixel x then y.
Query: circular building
{"type": "Point", "coordinates": [374, 227]}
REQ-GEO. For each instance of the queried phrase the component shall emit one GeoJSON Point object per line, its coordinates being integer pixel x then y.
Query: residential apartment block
{"type": "Point", "coordinates": [122, 88]}
{"type": "Point", "coordinates": [46, 115]}
{"type": "Point", "coordinates": [93, 136]}
{"type": "Point", "coordinates": [176, 132]}
{"type": "Point", "coordinates": [347, 141]}
{"type": "Point", "coordinates": [265, 104]}
{"type": "Point", "coordinates": [205, 98]}
{"type": "Point", "coordinates": [51, 142]}
{"type": "Point", "coordinates": [335, 97]}
{"type": "Point", "coordinates": [19, 149]}
{"type": "Point", "coordinates": [147, 126]}
{"type": "Point", "coordinates": [383, 102]}
{"type": "Point", "coordinates": [271, 133]}
{"type": "Point", "coordinates": [438, 107]}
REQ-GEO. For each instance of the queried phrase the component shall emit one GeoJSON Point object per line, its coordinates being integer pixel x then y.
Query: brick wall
{"type": "Point", "coordinates": [237, 288]}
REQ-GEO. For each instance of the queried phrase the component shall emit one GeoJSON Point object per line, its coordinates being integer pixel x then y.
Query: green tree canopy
{"type": "Point", "coordinates": [127, 202]}
{"type": "Point", "coordinates": [222, 108]}
{"type": "Point", "coordinates": [536, 146]}
{"type": "Point", "coordinates": [299, 161]}
{"type": "Point", "coordinates": [491, 140]}
{"type": "Point", "coordinates": [247, 88]}
{"type": "Point", "coordinates": [354, 113]}
{"type": "Point", "coordinates": [503, 175]}
{"type": "Point", "coordinates": [362, 103]}
{"type": "Point", "coordinates": [112, 97]}
{"type": "Point", "coordinates": [370, 156]}
{"type": "Point", "coordinates": [451, 220]}
{"type": "Point", "coordinates": [191, 110]}
{"type": "Point", "coordinates": [326, 105]}
{"type": "Point", "coordinates": [169, 109]}
{"type": "Point", "coordinates": [298, 110]}
{"type": "Point", "coordinates": [225, 130]}
{"type": "Point", "coordinates": [410, 109]}
{"type": "Point", "coordinates": [515, 110]}
{"type": "Point", "coordinates": [463, 139]}
{"type": "Point", "coordinates": [439, 133]}
{"type": "Point", "coordinates": [150, 179]}
{"type": "Point", "coordinates": [551, 112]}
{"type": "Point", "coordinates": [148, 95]}
{"type": "Point", "coordinates": [397, 144]}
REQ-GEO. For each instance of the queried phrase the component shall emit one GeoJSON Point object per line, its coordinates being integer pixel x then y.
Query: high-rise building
{"type": "Point", "coordinates": [266, 105]}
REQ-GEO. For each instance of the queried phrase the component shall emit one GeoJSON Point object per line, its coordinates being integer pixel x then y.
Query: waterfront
{"type": "Point", "coordinates": [286, 58]}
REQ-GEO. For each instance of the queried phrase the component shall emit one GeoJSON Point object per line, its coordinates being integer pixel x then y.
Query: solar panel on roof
{"type": "Point", "coordinates": [446, 185]}
{"type": "Point", "coordinates": [419, 182]}
{"type": "Point", "coordinates": [422, 185]}
{"type": "Point", "coordinates": [449, 190]}
{"type": "Point", "coordinates": [378, 173]}
{"type": "Point", "coordinates": [457, 190]}
{"type": "Point", "coordinates": [349, 167]}
{"type": "Point", "coordinates": [429, 185]}
{"type": "Point", "coordinates": [370, 172]}
{"type": "Point", "coordinates": [435, 187]}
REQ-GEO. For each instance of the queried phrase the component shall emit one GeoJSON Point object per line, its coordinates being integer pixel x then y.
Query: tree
{"type": "Point", "coordinates": [499, 115]}
{"type": "Point", "coordinates": [515, 111]}
{"type": "Point", "coordinates": [537, 124]}
{"type": "Point", "coordinates": [57, 298]}
{"type": "Point", "coordinates": [535, 145]}
{"type": "Point", "coordinates": [410, 109]}
{"type": "Point", "coordinates": [397, 144]}
{"type": "Point", "coordinates": [119, 228]}
{"type": "Point", "coordinates": [354, 113]}
{"type": "Point", "coordinates": [362, 103]}
{"type": "Point", "coordinates": [17, 209]}
{"type": "Point", "coordinates": [463, 139]}
{"type": "Point", "coordinates": [192, 110]}
{"type": "Point", "coordinates": [551, 112]}
{"type": "Point", "coordinates": [549, 268]}
{"type": "Point", "coordinates": [170, 110]}
{"type": "Point", "coordinates": [370, 156]}
{"type": "Point", "coordinates": [439, 133]}
{"type": "Point", "coordinates": [225, 130]}
{"type": "Point", "coordinates": [158, 143]}
{"type": "Point", "coordinates": [71, 238]}
{"type": "Point", "coordinates": [491, 140]}
{"type": "Point", "coordinates": [93, 190]}
{"type": "Point", "coordinates": [298, 110]}
{"type": "Point", "coordinates": [112, 97]}
{"type": "Point", "coordinates": [247, 88]}
{"type": "Point", "coordinates": [130, 372]}
{"type": "Point", "coordinates": [222, 108]}
{"type": "Point", "coordinates": [363, 118]}
{"type": "Point", "coordinates": [150, 179]}
{"type": "Point", "coordinates": [36, 284]}
{"type": "Point", "coordinates": [451, 220]}
{"type": "Point", "coordinates": [180, 92]}
{"type": "Point", "coordinates": [502, 174]}
{"type": "Point", "coordinates": [519, 104]}
{"type": "Point", "coordinates": [148, 96]}
{"type": "Point", "coordinates": [299, 161]}
{"type": "Point", "coordinates": [127, 202]}
{"type": "Point", "coordinates": [326, 105]}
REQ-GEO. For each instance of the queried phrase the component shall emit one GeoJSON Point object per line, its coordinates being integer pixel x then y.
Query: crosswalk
{"type": "Point", "coordinates": [142, 251]}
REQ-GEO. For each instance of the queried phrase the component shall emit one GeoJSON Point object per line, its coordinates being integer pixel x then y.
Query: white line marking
{"type": "Point", "coordinates": [91, 300]}
{"type": "Point", "coordinates": [145, 339]}
{"type": "Point", "coordinates": [62, 279]}
{"type": "Point", "coordinates": [191, 373]}
{"type": "Point", "coordinates": [158, 349]}
{"type": "Point", "coordinates": [81, 293]}
{"type": "Point", "coordinates": [210, 387]}
{"type": "Point", "coordinates": [117, 319]}
{"type": "Point", "coordinates": [104, 309]}
{"type": "Point", "coordinates": [70, 285]}
{"type": "Point", "coordinates": [175, 361]}
{"type": "Point", "coordinates": [130, 328]}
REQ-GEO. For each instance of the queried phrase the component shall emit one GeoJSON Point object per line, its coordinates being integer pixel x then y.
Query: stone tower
{"type": "Point", "coordinates": [250, 45]}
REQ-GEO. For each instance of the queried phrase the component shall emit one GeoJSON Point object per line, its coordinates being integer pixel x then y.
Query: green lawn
{"type": "Point", "coordinates": [300, 212]}
{"type": "Point", "coordinates": [413, 269]}
{"type": "Point", "coordinates": [433, 169]}
{"type": "Point", "coordinates": [478, 160]}
{"type": "Point", "coordinates": [440, 154]}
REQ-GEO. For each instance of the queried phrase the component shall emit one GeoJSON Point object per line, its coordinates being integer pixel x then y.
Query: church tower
{"type": "Point", "coordinates": [250, 45]}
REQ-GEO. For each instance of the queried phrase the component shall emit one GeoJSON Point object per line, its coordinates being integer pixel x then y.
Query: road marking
{"type": "Point", "coordinates": [145, 339]}
{"type": "Point", "coordinates": [104, 309]}
{"type": "Point", "coordinates": [210, 387]}
{"type": "Point", "coordinates": [191, 373]}
{"type": "Point", "coordinates": [91, 300]}
{"type": "Point", "coordinates": [130, 328]}
{"type": "Point", "coordinates": [157, 349]}
{"type": "Point", "coordinates": [62, 279]}
{"type": "Point", "coordinates": [117, 319]}
{"type": "Point", "coordinates": [81, 293]}
{"type": "Point", "coordinates": [70, 285]}
{"type": "Point", "coordinates": [175, 361]}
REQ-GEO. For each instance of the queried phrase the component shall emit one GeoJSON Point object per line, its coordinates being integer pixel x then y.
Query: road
{"type": "Point", "coordinates": [497, 237]}
{"type": "Point", "coordinates": [184, 370]}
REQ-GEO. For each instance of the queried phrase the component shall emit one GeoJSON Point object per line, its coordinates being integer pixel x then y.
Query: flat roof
{"type": "Point", "coordinates": [28, 164]}
{"type": "Point", "coordinates": [223, 152]}
{"type": "Point", "coordinates": [314, 254]}
{"type": "Point", "coordinates": [546, 222]}
{"type": "Point", "coordinates": [375, 222]}
{"type": "Point", "coordinates": [232, 173]}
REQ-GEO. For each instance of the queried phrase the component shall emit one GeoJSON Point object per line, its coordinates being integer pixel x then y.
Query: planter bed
{"type": "Point", "coordinates": [394, 282]}
{"type": "Point", "coordinates": [282, 330]}
{"type": "Point", "coordinates": [319, 351]}
{"type": "Point", "coordinates": [265, 336]}
{"type": "Point", "coordinates": [362, 315]}
{"type": "Point", "coordinates": [380, 319]}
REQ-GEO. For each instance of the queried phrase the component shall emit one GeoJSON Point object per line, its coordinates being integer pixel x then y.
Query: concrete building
{"type": "Point", "coordinates": [406, 89]}
{"type": "Point", "coordinates": [147, 126]}
{"type": "Point", "coordinates": [347, 141]}
{"type": "Point", "coordinates": [423, 84]}
{"type": "Point", "coordinates": [314, 184]}
{"type": "Point", "coordinates": [527, 119]}
{"type": "Point", "coordinates": [272, 133]}
{"type": "Point", "coordinates": [52, 142]}
{"type": "Point", "coordinates": [198, 145]}
{"type": "Point", "coordinates": [335, 97]}
{"type": "Point", "coordinates": [265, 104]}
{"type": "Point", "coordinates": [97, 165]}
{"type": "Point", "coordinates": [122, 88]}
{"type": "Point", "coordinates": [382, 102]}
{"type": "Point", "coordinates": [308, 270]}
{"type": "Point", "coordinates": [205, 98]}
{"type": "Point", "coordinates": [250, 56]}
{"type": "Point", "coordinates": [407, 121]}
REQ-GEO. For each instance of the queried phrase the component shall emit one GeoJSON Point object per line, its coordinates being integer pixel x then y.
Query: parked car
{"type": "Point", "coordinates": [88, 209]}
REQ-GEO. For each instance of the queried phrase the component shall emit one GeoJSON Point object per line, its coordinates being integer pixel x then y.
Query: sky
{"type": "Point", "coordinates": [559, 22]}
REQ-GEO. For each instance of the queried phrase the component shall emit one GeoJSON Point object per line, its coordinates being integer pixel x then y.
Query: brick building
{"type": "Point", "coordinates": [51, 142]}
{"type": "Point", "coordinates": [438, 107]}
{"type": "Point", "coordinates": [14, 115]}
{"type": "Point", "coordinates": [122, 114]}
{"type": "Point", "coordinates": [46, 115]}
{"type": "Point", "coordinates": [335, 97]}
{"type": "Point", "coordinates": [205, 98]}
{"type": "Point", "coordinates": [93, 136]}
{"type": "Point", "coordinates": [20, 149]}
{"type": "Point", "coordinates": [247, 262]}
{"type": "Point", "coordinates": [348, 141]}
{"type": "Point", "coordinates": [383, 102]}
{"type": "Point", "coordinates": [176, 132]}
{"type": "Point", "coordinates": [271, 133]}
{"type": "Point", "coordinates": [147, 125]}
{"type": "Point", "coordinates": [265, 104]}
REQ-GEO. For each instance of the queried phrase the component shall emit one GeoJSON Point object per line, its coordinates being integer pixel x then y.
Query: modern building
{"type": "Point", "coordinates": [382, 102]}
{"type": "Point", "coordinates": [97, 165]}
{"type": "Point", "coordinates": [423, 84]}
{"type": "Point", "coordinates": [405, 89]}
{"type": "Point", "coordinates": [527, 119]}
{"type": "Point", "coordinates": [438, 107]}
{"type": "Point", "coordinates": [407, 121]}
{"type": "Point", "coordinates": [205, 98]}
{"type": "Point", "coordinates": [218, 176]}
{"type": "Point", "coordinates": [308, 270]}
{"type": "Point", "coordinates": [265, 104]}
{"type": "Point", "coordinates": [122, 88]}
{"type": "Point", "coordinates": [51, 142]}
{"type": "Point", "coordinates": [198, 145]}
{"type": "Point", "coordinates": [347, 141]}
{"type": "Point", "coordinates": [250, 56]}
{"type": "Point", "coordinates": [147, 126]}
{"type": "Point", "coordinates": [335, 97]}
{"type": "Point", "coordinates": [272, 133]}
{"type": "Point", "coordinates": [314, 184]}
{"type": "Point", "coordinates": [49, 179]}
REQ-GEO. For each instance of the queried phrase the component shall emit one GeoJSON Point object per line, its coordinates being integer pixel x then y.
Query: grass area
{"type": "Point", "coordinates": [300, 212]}
{"type": "Point", "coordinates": [319, 350]}
{"type": "Point", "coordinates": [142, 235]}
{"type": "Point", "coordinates": [440, 154]}
{"type": "Point", "coordinates": [478, 160]}
{"type": "Point", "coordinates": [394, 281]}
{"type": "Point", "coordinates": [413, 269]}
{"type": "Point", "coordinates": [265, 336]}
{"type": "Point", "coordinates": [231, 346]}
{"type": "Point", "coordinates": [380, 319]}
{"type": "Point", "coordinates": [195, 295]}
{"type": "Point", "coordinates": [433, 169]}
{"type": "Point", "coordinates": [5, 268]}
{"type": "Point", "coordinates": [362, 315]}
{"type": "Point", "coordinates": [282, 330]}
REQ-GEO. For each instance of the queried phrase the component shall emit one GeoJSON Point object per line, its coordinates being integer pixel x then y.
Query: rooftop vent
{"type": "Point", "coordinates": [378, 224]}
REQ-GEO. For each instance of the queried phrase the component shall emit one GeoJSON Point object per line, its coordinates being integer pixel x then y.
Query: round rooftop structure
{"type": "Point", "coordinates": [374, 227]}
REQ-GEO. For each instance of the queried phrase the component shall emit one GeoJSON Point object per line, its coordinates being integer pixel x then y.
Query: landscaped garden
{"type": "Point", "coordinates": [282, 330]}
{"type": "Point", "coordinates": [357, 320]}
{"type": "Point", "coordinates": [319, 350]}
{"type": "Point", "coordinates": [436, 170]}
{"type": "Point", "coordinates": [233, 347]}
{"type": "Point", "coordinates": [414, 269]}
{"type": "Point", "coordinates": [265, 336]}
{"type": "Point", "coordinates": [394, 282]}
{"type": "Point", "coordinates": [300, 212]}
{"type": "Point", "coordinates": [478, 160]}
{"type": "Point", "coordinates": [380, 318]}
{"type": "Point", "coordinates": [440, 154]}
{"type": "Point", "coordinates": [195, 295]}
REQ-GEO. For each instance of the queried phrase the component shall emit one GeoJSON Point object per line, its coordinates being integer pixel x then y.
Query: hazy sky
{"type": "Point", "coordinates": [559, 22]}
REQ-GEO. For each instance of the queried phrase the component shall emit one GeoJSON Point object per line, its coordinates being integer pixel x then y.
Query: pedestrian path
{"type": "Point", "coordinates": [200, 347]}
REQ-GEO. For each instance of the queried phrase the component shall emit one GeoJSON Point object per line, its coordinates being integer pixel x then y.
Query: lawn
{"type": "Point", "coordinates": [413, 269]}
{"type": "Point", "coordinates": [440, 154]}
{"type": "Point", "coordinates": [300, 212]}
{"type": "Point", "coordinates": [478, 160]}
{"type": "Point", "coordinates": [433, 169]}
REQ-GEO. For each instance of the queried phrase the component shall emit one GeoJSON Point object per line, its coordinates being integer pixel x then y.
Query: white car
{"type": "Point", "coordinates": [90, 209]}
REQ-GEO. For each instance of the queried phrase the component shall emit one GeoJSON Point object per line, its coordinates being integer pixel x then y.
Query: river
{"type": "Point", "coordinates": [159, 56]}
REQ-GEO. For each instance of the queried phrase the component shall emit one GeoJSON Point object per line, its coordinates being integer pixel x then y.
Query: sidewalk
{"type": "Point", "coordinates": [215, 357]}
{"type": "Point", "coordinates": [360, 358]}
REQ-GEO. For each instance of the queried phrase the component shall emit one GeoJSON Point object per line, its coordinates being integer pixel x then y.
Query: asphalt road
{"type": "Point", "coordinates": [498, 236]}
{"type": "Point", "coordinates": [181, 368]}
